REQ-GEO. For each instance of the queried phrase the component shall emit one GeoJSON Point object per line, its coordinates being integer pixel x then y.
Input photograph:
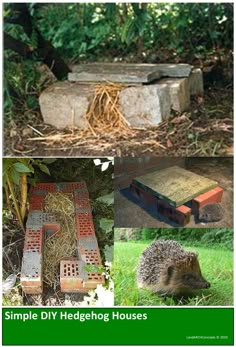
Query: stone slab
{"type": "Point", "coordinates": [65, 104]}
{"type": "Point", "coordinates": [179, 93]}
{"type": "Point", "coordinates": [175, 185]}
{"type": "Point", "coordinates": [127, 73]}
{"type": "Point", "coordinates": [145, 106]}
{"type": "Point", "coordinates": [196, 82]}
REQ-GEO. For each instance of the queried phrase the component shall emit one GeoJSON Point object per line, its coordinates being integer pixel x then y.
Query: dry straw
{"type": "Point", "coordinates": [63, 244]}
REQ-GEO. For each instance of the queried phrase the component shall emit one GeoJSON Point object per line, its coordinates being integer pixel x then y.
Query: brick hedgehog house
{"type": "Point", "coordinates": [176, 192]}
{"type": "Point", "coordinates": [74, 273]}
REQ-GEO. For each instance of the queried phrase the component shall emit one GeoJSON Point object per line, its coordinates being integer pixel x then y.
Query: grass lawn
{"type": "Point", "coordinates": [216, 265]}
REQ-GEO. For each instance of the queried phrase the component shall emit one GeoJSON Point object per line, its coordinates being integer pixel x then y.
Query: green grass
{"type": "Point", "coordinates": [216, 265]}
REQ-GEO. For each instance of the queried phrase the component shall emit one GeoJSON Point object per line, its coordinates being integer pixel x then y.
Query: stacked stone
{"type": "Point", "coordinates": [150, 92]}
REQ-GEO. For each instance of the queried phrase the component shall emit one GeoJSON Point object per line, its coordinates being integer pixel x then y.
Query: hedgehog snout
{"type": "Point", "coordinates": [207, 285]}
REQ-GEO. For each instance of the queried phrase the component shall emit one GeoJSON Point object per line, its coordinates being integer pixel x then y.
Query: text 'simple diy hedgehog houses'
{"type": "Point", "coordinates": [176, 192]}
{"type": "Point", "coordinates": [74, 273]}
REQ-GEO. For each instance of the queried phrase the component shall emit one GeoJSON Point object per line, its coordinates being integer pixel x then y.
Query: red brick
{"type": "Point", "coordinates": [90, 257]}
{"type": "Point", "coordinates": [70, 279]}
{"type": "Point", "coordinates": [49, 187]}
{"type": "Point", "coordinates": [32, 290]}
{"type": "Point", "coordinates": [142, 195]}
{"type": "Point", "coordinates": [180, 215]}
{"type": "Point", "coordinates": [70, 187]}
{"type": "Point", "coordinates": [211, 197]}
{"type": "Point", "coordinates": [73, 282]}
{"type": "Point", "coordinates": [33, 240]}
{"type": "Point", "coordinates": [84, 223]}
{"type": "Point", "coordinates": [36, 202]}
{"type": "Point", "coordinates": [94, 279]}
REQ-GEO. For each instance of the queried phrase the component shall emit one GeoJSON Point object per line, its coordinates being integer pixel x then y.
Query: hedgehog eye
{"type": "Point", "coordinates": [188, 277]}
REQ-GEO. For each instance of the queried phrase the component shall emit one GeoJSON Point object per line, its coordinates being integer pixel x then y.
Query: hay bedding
{"type": "Point", "coordinates": [61, 245]}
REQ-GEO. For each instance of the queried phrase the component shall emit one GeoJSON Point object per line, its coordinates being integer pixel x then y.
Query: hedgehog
{"type": "Point", "coordinates": [210, 213]}
{"type": "Point", "coordinates": [167, 269]}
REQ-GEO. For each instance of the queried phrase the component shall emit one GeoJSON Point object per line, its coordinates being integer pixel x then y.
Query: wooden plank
{"type": "Point", "coordinates": [127, 73]}
{"type": "Point", "coordinates": [175, 185]}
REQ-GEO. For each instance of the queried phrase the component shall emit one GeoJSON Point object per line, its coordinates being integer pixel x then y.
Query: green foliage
{"type": "Point", "coordinates": [107, 31]}
{"type": "Point", "coordinates": [15, 167]}
{"type": "Point", "coordinates": [197, 236]}
{"type": "Point", "coordinates": [21, 86]}
{"type": "Point", "coordinates": [80, 29]}
{"type": "Point", "coordinates": [216, 265]}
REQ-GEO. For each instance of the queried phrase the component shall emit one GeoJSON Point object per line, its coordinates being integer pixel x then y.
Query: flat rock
{"type": "Point", "coordinates": [145, 106]}
{"type": "Point", "coordinates": [127, 73]}
{"type": "Point", "coordinates": [179, 93]}
{"type": "Point", "coordinates": [175, 185]}
{"type": "Point", "coordinates": [65, 104]}
{"type": "Point", "coordinates": [196, 82]}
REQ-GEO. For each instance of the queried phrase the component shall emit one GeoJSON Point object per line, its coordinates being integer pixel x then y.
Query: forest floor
{"type": "Point", "coordinates": [205, 130]}
{"type": "Point", "coordinates": [130, 213]}
{"type": "Point", "coordinates": [216, 265]}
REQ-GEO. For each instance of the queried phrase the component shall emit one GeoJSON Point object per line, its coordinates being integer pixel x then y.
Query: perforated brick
{"type": "Point", "coordinates": [87, 243]}
{"type": "Point", "coordinates": [70, 277]}
{"type": "Point", "coordinates": [94, 279]}
{"type": "Point", "coordinates": [84, 222]}
{"type": "Point", "coordinates": [33, 240]}
{"type": "Point", "coordinates": [81, 198]}
{"type": "Point", "coordinates": [36, 202]}
{"type": "Point", "coordinates": [49, 187]}
{"type": "Point", "coordinates": [39, 192]}
{"type": "Point", "coordinates": [74, 278]}
{"type": "Point", "coordinates": [91, 257]}
{"type": "Point", "coordinates": [70, 187]}
{"type": "Point", "coordinates": [31, 272]}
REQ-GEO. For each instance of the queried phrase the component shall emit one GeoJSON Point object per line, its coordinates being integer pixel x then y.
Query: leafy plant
{"type": "Point", "coordinates": [15, 179]}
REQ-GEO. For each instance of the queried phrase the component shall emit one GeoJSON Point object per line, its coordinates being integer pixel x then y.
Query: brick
{"type": "Point", "coordinates": [70, 187]}
{"type": "Point", "coordinates": [33, 240]}
{"type": "Point", "coordinates": [87, 243]}
{"type": "Point", "coordinates": [32, 290]}
{"type": "Point", "coordinates": [142, 195]}
{"type": "Point", "coordinates": [84, 223]}
{"type": "Point", "coordinates": [94, 279]}
{"type": "Point", "coordinates": [75, 279]}
{"type": "Point", "coordinates": [91, 257]}
{"type": "Point", "coordinates": [70, 278]}
{"type": "Point", "coordinates": [31, 272]}
{"type": "Point", "coordinates": [211, 197]}
{"type": "Point", "coordinates": [180, 215]}
{"type": "Point", "coordinates": [49, 187]}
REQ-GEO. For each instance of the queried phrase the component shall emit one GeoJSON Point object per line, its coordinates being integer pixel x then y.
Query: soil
{"type": "Point", "coordinates": [131, 214]}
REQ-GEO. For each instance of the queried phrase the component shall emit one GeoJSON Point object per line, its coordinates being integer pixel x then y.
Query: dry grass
{"type": "Point", "coordinates": [63, 244]}
{"type": "Point", "coordinates": [104, 114]}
